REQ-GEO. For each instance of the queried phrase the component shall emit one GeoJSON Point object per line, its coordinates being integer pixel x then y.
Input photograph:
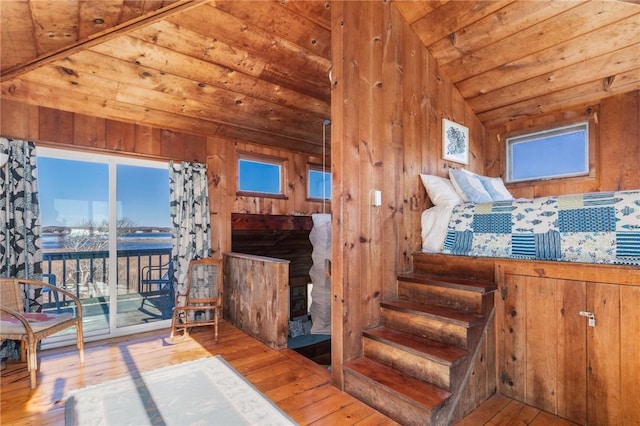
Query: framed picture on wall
{"type": "Point", "coordinates": [455, 142]}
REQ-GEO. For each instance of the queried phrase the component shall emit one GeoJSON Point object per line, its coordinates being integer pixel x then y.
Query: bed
{"type": "Point", "coordinates": [602, 227]}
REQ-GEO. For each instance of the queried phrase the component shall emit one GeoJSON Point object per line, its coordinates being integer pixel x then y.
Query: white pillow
{"type": "Point", "coordinates": [469, 186]}
{"type": "Point", "coordinates": [440, 191]}
{"type": "Point", "coordinates": [495, 187]}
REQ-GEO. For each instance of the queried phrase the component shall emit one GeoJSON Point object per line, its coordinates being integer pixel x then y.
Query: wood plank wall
{"type": "Point", "coordinates": [256, 298]}
{"type": "Point", "coordinates": [615, 147]}
{"type": "Point", "coordinates": [222, 163]}
{"type": "Point", "coordinates": [61, 129]}
{"type": "Point", "coordinates": [388, 101]}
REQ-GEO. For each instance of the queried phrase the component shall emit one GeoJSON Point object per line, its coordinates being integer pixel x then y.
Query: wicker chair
{"type": "Point", "coordinates": [16, 323]}
{"type": "Point", "coordinates": [201, 303]}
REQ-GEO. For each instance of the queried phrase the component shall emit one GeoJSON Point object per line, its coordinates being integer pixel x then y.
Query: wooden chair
{"type": "Point", "coordinates": [17, 323]}
{"type": "Point", "coordinates": [201, 303]}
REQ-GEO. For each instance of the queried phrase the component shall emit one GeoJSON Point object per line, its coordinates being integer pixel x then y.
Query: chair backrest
{"type": "Point", "coordinates": [204, 281]}
{"type": "Point", "coordinates": [11, 295]}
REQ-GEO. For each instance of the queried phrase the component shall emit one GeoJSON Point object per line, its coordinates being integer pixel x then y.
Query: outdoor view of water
{"type": "Point", "coordinates": [137, 241]}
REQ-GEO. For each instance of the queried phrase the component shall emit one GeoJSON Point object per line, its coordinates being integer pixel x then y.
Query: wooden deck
{"type": "Point", "coordinates": [297, 385]}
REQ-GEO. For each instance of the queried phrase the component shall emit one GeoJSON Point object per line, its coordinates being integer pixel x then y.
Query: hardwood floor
{"type": "Point", "coordinates": [297, 385]}
{"type": "Point", "coordinates": [300, 387]}
{"type": "Point", "coordinates": [500, 410]}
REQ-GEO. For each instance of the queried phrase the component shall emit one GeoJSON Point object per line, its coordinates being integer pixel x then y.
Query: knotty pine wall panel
{"type": "Point", "coordinates": [222, 163]}
{"type": "Point", "coordinates": [55, 128]}
{"type": "Point", "coordinates": [615, 147]}
{"type": "Point", "coordinates": [62, 129]}
{"type": "Point", "coordinates": [388, 102]}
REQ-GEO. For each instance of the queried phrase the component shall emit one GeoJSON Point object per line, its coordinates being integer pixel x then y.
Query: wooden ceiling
{"type": "Point", "coordinates": [258, 70]}
{"type": "Point", "coordinates": [511, 59]}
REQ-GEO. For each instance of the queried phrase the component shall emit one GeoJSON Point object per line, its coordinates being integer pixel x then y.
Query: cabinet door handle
{"type": "Point", "coordinates": [591, 317]}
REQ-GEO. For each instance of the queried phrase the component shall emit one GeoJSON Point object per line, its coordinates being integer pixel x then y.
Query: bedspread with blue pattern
{"type": "Point", "coordinates": [601, 227]}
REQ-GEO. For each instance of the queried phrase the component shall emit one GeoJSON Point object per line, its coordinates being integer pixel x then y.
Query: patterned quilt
{"type": "Point", "coordinates": [602, 227]}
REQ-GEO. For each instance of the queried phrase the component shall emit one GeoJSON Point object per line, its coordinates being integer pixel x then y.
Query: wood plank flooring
{"type": "Point", "coordinates": [300, 387]}
{"type": "Point", "coordinates": [500, 410]}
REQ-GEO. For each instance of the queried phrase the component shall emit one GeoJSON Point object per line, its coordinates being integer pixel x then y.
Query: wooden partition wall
{"type": "Point", "coordinates": [256, 296]}
{"type": "Point", "coordinates": [388, 100]}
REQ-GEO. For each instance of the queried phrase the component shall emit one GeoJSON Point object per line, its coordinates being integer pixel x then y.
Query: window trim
{"type": "Point", "coordinates": [317, 168]}
{"type": "Point", "coordinates": [557, 130]}
{"type": "Point", "coordinates": [92, 157]}
{"type": "Point", "coordinates": [259, 158]}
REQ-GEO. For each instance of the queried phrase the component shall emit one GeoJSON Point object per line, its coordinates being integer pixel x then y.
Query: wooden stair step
{"type": "Point", "coordinates": [477, 286]}
{"type": "Point", "coordinates": [430, 349]}
{"type": "Point", "coordinates": [441, 313]}
{"type": "Point", "coordinates": [414, 391]}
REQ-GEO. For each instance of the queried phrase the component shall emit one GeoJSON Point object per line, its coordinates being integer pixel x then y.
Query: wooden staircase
{"type": "Point", "coordinates": [421, 361]}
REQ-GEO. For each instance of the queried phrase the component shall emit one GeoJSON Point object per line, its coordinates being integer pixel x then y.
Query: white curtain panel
{"type": "Point", "coordinates": [320, 309]}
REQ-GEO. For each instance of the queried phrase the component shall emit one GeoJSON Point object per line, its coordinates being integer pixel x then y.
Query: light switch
{"type": "Point", "coordinates": [377, 198]}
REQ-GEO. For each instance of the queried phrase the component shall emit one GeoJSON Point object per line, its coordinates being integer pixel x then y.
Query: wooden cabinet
{"type": "Point", "coordinates": [548, 354]}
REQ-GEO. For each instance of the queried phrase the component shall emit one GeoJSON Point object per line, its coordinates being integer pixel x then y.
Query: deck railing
{"type": "Point", "coordinates": [86, 273]}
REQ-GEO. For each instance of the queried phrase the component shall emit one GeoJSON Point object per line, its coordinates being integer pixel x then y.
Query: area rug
{"type": "Point", "coordinates": [207, 391]}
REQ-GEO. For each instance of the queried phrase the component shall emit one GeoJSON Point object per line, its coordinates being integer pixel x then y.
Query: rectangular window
{"type": "Point", "coordinates": [260, 175]}
{"type": "Point", "coordinates": [318, 183]}
{"type": "Point", "coordinates": [556, 153]}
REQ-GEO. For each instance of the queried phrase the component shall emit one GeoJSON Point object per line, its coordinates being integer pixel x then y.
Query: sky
{"type": "Point", "coordinates": [265, 177]}
{"type": "Point", "coordinates": [72, 192]}
{"type": "Point", "coordinates": [555, 155]}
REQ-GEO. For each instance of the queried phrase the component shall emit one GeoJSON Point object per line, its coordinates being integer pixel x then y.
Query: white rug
{"type": "Point", "coordinates": [207, 391]}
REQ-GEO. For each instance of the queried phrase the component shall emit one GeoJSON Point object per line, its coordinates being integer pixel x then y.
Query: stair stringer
{"type": "Point", "coordinates": [474, 389]}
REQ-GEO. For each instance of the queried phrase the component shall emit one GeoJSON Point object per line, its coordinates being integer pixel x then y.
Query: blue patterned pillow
{"type": "Point", "coordinates": [495, 187]}
{"type": "Point", "coordinates": [295, 329]}
{"type": "Point", "coordinates": [469, 186]}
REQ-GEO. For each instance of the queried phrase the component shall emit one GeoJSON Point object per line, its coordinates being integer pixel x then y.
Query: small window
{"type": "Point", "coordinates": [260, 175]}
{"type": "Point", "coordinates": [318, 183]}
{"type": "Point", "coordinates": [556, 153]}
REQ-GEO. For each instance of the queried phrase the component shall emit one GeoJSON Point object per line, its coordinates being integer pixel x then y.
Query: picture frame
{"type": "Point", "coordinates": [455, 142]}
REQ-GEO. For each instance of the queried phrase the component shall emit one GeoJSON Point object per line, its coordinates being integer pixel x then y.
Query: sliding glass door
{"type": "Point", "coordinates": [74, 212]}
{"type": "Point", "coordinates": [145, 271]}
{"type": "Point", "coordinates": [106, 238]}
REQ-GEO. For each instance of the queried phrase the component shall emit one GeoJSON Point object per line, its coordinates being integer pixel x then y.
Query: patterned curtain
{"type": "Point", "coordinates": [20, 252]}
{"type": "Point", "coordinates": [191, 233]}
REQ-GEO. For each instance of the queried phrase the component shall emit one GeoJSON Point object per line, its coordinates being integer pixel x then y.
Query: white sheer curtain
{"type": "Point", "coordinates": [320, 309]}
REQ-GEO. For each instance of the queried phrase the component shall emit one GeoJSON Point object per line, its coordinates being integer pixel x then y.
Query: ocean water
{"type": "Point", "coordinates": [139, 241]}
